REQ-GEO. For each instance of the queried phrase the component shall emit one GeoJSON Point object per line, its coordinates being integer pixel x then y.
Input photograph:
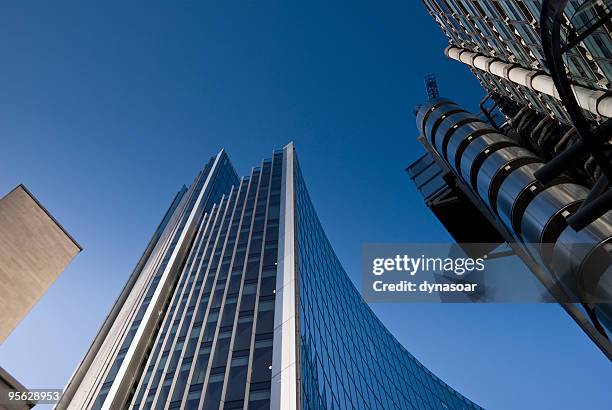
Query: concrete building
{"type": "Point", "coordinates": [9, 384]}
{"type": "Point", "coordinates": [34, 250]}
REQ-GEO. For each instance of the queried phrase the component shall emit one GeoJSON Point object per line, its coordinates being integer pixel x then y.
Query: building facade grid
{"type": "Point", "coordinates": [509, 31]}
{"type": "Point", "coordinates": [237, 229]}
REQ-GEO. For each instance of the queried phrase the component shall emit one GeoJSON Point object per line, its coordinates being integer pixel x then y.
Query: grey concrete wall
{"type": "Point", "coordinates": [34, 250]}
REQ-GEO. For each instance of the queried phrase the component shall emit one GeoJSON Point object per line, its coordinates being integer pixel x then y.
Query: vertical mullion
{"type": "Point", "coordinates": [229, 277]}
{"type": "Point", "coordinates": [233, 204]}
{"type": "Point", "coordinates": [209, 367]}
{"type": "Point", "coordinates": [239, 235]}
{"type": "Point", "coordinates": [238, 304]}
{"type": "Point", "coordinates": [205, 276]}
{"type": "Point", "coordinates": [152, 267]}
{"type": "Point", "coordinates": [257, 295]}
{"type": "Point", "coordinates": [186, 295]}
{"type": "Point", "coordinates": [142, 384]}
{"type": "Point", "coordinates": [200, 342]}
{"type": "Point", "coordinates": [176, 301]}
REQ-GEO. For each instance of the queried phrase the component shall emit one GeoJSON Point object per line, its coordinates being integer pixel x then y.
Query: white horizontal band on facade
{"type": "Point", "coordinates": [595, 101]}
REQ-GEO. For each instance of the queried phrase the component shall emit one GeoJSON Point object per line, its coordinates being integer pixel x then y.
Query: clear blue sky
{"type": "Point", "coordinates": [107, 109]}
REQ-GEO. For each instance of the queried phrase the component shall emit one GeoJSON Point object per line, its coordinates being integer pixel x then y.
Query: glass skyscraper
{"type": "Point", "coordinates": [239, 302]}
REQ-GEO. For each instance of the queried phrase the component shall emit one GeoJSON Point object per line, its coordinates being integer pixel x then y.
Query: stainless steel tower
{"type": "Point", "coordinates": [539, 173]}
{"type": "Point", "coordinates": [497, 175]}
{"type": "Point", "coordinates": [506, 44]}
{"type": "Point", "coordinates": [505, 36]}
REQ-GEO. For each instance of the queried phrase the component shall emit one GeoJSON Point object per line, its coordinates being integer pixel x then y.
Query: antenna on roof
{"type": "Point", "coordinates": [432, 87]}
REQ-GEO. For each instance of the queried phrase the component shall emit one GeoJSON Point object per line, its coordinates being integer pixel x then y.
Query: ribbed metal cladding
{"type": "Point", "coordinates": [516, 192]}
{"type": "Point", "coordinates": [500, 42]}
{"type": "Point", "coordinates": [501, 174]}
{"type": "Point", "coordinates": [595, 101]}
{"type": "Point", "coordinates": [581, 266]}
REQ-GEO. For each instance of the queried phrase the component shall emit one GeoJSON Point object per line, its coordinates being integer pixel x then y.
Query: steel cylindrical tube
{"type": "Point", "coordinates": [501, 174]}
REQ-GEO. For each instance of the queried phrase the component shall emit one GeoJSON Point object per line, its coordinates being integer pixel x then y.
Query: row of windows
{"type": "Point", "coordinates": [215, 344]}
{"type": "Point", "coordinates": [169, 244]}
{"type": "Point", "coordinates": [213, 348]}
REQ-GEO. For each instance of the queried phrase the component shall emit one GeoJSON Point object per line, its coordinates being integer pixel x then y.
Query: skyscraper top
{"type": "Point", "coordinates": [240, 301]}
{"type": "Point", "coordinates": [431, 86]}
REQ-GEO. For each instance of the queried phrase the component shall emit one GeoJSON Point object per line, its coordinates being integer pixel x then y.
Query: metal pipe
{"type": "Point", "coordinates": [596, 101]}
{"type": "Point", "coordinates": [561, 162]}
{"type": "Point", "coordinates": [503, 176]}
{"type": "Point", "coordinates": [597, 206]}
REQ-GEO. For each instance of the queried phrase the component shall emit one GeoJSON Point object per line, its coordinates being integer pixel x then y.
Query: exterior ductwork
{"type": "Point", "coordinates": [501, 174]}
{"type": "Point", "coordinates": [596, 101]}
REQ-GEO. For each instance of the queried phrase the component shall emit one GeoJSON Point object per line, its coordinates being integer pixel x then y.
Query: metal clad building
{"type": "Point", "coordinates": [505, 35]}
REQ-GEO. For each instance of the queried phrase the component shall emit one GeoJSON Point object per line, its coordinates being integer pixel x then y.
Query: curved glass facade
{"type": "Point", "coordinates": [348, 359]}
